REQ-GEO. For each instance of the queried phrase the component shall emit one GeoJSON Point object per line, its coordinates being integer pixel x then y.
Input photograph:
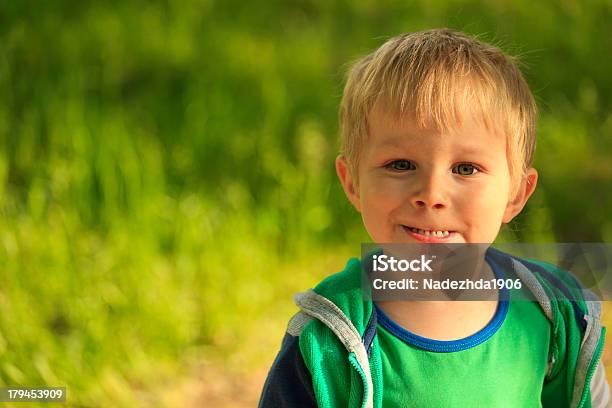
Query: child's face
{"type": "Point", "coordinates": [423, 185]}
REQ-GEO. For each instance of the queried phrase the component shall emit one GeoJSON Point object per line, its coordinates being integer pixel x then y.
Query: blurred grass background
{"type": "Point", "coordinates": [167, 178]}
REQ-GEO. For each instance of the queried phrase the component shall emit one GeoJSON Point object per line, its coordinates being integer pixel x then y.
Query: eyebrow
{"type": "Point", "coordinates": [396, 142]}
{"type": "Point", "coordinates": [471, 150]}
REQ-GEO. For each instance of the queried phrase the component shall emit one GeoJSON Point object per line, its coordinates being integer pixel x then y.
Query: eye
{"type": "Point", "coordinates": [465, 169]}
{"type": "Point", "coordinates": [401, 165]}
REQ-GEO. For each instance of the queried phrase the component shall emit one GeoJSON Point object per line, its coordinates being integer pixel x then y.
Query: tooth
{"type": "Point", "coordinates": [430, 233]}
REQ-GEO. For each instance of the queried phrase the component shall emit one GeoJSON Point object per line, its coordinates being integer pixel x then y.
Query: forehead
{"type": "Point", "coordinates": [472, 132]}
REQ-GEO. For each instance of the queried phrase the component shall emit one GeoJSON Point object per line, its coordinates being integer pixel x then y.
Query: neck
{"type": "Point", "coordinates": [442, 320]}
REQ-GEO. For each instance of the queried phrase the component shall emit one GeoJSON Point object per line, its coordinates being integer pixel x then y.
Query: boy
{"type": "Point", "coordinates": [438, 137]}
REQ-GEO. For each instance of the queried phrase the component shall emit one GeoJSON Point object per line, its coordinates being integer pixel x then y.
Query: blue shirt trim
{"type": "Point", "coordinates": [447, 346]}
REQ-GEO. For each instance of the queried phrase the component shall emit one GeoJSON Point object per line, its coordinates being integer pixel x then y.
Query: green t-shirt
{"type": "Point", "coordinates": [502, 365]}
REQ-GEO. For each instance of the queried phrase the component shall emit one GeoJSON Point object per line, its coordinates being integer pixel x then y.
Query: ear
{"type": "Point", "coordinates": [524, 191]}
{"type": "Point", "coordinates": [347, 181]}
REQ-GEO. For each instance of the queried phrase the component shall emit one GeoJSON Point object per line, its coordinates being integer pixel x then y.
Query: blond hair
{"type": "Point", "coordinates": [432, 77]}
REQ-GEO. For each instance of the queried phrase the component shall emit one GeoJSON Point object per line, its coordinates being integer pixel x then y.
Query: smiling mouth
{"type": "Point", "coordinates": [429, 233]}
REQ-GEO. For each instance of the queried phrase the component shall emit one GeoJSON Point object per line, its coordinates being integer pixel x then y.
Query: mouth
{"type": "Point", "coordinates": [429, 235]}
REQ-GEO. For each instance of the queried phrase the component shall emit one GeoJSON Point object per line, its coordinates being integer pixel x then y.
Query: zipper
{"type": "Point", "coordinates": [357, 366]}
{"type": "Point", "coordinates": [592, 367]}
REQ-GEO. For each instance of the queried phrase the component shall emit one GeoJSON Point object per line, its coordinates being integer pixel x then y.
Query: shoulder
{"type": "Point", "coordinates": [341, 283]}
{"type": "Point", "coordinates": [308, 341]}
{"type": "Point", "coordinates": [337, 301]}
{"type": "Point", "coordinates": [335, 319]}
{"type": "Point", "coordinates": [577, 335]}
{"type": "Point", "coordinates": [567, 304]}
{"type": "Point", "coordinates": [545, 280]}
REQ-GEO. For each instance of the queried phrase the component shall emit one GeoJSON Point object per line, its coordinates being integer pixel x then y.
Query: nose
{"type": "Point", "coordinates": [430, 193]}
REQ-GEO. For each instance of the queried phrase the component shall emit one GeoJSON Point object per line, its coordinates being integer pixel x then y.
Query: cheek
{"type": "Point", "coordinates": [384, 196]}
{"type": "Point", "coordinates": [380, 201]}
{"type": "Point", "coordinates": [486, 202]}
